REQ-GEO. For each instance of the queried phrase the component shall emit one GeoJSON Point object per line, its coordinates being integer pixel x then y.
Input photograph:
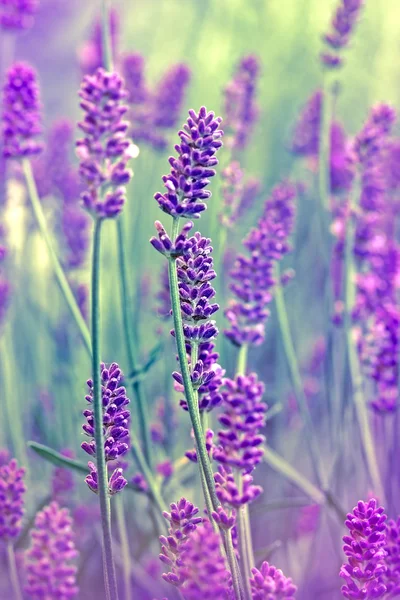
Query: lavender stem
{"type": "Point", "coordinates": [354, 363]}
{"type": "Point", "coordinates": [324, 142]}
{"type": "Point", "coordinates": [136, 385]}
{"type": "Point", "coordinates": [58, 270]}
{"type": "Point", "coordinates": [12, 565]}
{"type": "Point", "coordinates": [294, 371]}
{"type": "Point", "coordinates": [123, 538]}
{"type": "Point", "coordinates": [108, 560]}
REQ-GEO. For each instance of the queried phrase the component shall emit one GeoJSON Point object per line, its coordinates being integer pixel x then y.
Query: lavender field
{"type": "Point", "coordinates": [199, 299]}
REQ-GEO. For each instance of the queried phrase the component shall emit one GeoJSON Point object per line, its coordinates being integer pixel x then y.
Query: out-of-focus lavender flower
{"type": "Point", "coordinates": [365, 550]}
{"type": "Point", "coordinates": [270, 583]}
{"type": "Point", "coordinates": [209, 440]}
{"type": "Point", "coordinates": [12, 491]}
{"type": "Point", "coordinates": [140, 482]}
{"type": "Point", "coordinates": [183, 520]}
{"type": "Point", "coordinates": [50, 572]}
{"type": "Point", "coordinates": [342, 26]}
{"type": "Point", "coordinates": [5, 293]}
{"type": "Point", "coordinates": [5, 456]}
{"type": "Point", "coordinates": [91, 54]}
{"type": "Point", "coordinates": [392, 576]}
{"type": "Point", "coordinates": [21, 121]}
{"type": "Point", "coordinates": [202, 566]}
{"type": "Point", "coordinates": [105, 150]}
{"type": "Point", "coordinates": [305, 142]}
{"type": "Point", "coordinates": [63, 480]}
{"type": "Point", "coordinates": [133, 66]}
{"type": "Point", "coordinates": [165, 469]}
{"type": "Point", "coordinates": [241, 110]}
{"type": "Point", "coordinates": [169, 94]}
{"type": "Point", "coordinates": [190, 174]}
{"type": "Point", "coordinates": [253, 275]}
{"type": "Point", "coordinates": [115, 422]}
{"type": "Point", "coordinates": [195, 272]}
{"type": "Point", "coordinates": [17, 14]}
{"type": "Point", "coordinates": [243, 417]}
{"type": "Point", "coordinates": [163, 308]}
{"type": "Point", "coordinates": [238, 196]}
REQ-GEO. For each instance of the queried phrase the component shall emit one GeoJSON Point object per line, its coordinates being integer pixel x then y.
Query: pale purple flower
{"type": "Point", "coordinates": [17, 15]}
{"type": "Point", "coordinates": [12, 492]}
{"type": "Point", "coordinates": [269, 583]}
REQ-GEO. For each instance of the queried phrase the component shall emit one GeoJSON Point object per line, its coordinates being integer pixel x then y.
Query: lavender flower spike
{"type": "Point", "coordinates": [343, 24]}
{"type": "Point", "coordinates": [17, 14]}
{"type": "Point", "coordinates": [105, 150]}
{"type": "Point", "coordinates": [185, 194]}
{"type": "Point", "coordinates": [268, 582]}
{"type": "Point", "coordinates": [12, 491]}
{"type": "Point", "coordinates": [115, 423]}
{"type": "Point", "coordinates": [365, 549]}
{"type": "Point", "coordinates": [50, 573]}
{"type": "Point", "coordinates": [21, 112]}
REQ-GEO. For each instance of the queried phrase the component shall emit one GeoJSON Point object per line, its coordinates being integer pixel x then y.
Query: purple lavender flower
{"type": "Point", "coordinates": [240, 108]}
{"type": "Point", "coordinates": [243, 417]}
{"type": "Point", "coordinates": [185, 194]}
{"type": "Point", "coordinates": [169, 95]}
{"type": "Point", "coordinates": [195, 272]}
{"type": "Point", "coordinates": [17, 14]}
{"type": "Point", "coordinates": [5, 293]}
{"type": "Point", "coordinates": [270, 583]}
{"type": "Point", "coordinates": [202, 566]}
{"type": "Point", "coordinates": [50, 573]}
{"type": "Point", "coordinates": [343, 24]}
{"type": "Point", "coordinates": [12, 491]}
{"type": "Point", "coordinates": [228, 491]}
{"type": "Point", "coordinates": [183, 520]}
{"type": "Point", "coordinates": [21, 112]}
{"type": "Point", "coordinates": [238, 195]}
{"type": "Point", "coordinates": [105, 151]}
{"type": "Point", "coordinates": [165, 469]}
{"type": "Point", "coordinates": [91, 54]}
{"type": "Point", "coordinates": [305, 140]}
{"type": "Point", "coordinates": [253, 276]}
{"type": "Point", "coordinates": [365, 550]}
{"type": "Point", "coordinates": [115, 423]}
{"type": "Point", "coordinates": [133, 67]}
{"type": "Point", "coordinates": [392, 576]}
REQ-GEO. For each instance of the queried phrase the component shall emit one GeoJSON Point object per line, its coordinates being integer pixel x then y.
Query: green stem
{"type": "Point", "coordinates": [203, 459]}
{"type": "Point", "coordinates": [58, 270]}
{"type": "Point", "coordinates": [12, 565]}
{"type": "Point", "coordinates": [148, 475]}
{"type": "Point", "coordinates": [108, 560]}
{"type": "Point", "coordinates": [126, 559]}
{"type": "Point", "coordinates": [241, 364]}
{"type": "Point", "coordinates": [354, 363]}
{"type": "Point", "coordinates": [128, 331]}
{"type": "Point", "coordinates": [295, 376]}
{"type": "Point", "coordinates": [230, 552]}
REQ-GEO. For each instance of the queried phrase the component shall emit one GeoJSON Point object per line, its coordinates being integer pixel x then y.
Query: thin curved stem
{"type": "Point", "coordinates": [130, 346]}
{"type": "Point", "coordinates": [295, 376]}
{"type": "Point", "coordinates": [107, 46]}
{"type": "Point", "coordinates": [123, 538]}
{"type": "Point", "coordinates": [324, 143]}
{"type": "Point", "coordinates": [108, 560]}
{"type": "Point", "coordinates": [12, 565]}
{"type": "Point", "coordinates": [148, 475]}
{"type": "Point", "coordinates": [58, 270]}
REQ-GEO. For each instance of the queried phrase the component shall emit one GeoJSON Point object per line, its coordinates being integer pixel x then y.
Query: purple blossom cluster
{"type": "Point", "coordinates": [105, 150]}
{"type": "Point", "coordinates": [115, 426]}
{"type": "Point", "coordinates": [12, 492]}
{"type": "Point", "coordinates": [238, 195]}
{"type": "Point", "coordinates": [342, 26]}
{"type": "Point", "coordinates": [241, 110]}
{"type": "Point", "coordinates": [253, 274]}
{"type": "Point", "coordinates": [154, 112]}
{"type": "Point", "coordinates": [365, 550]}
{"type": "Point", "coordinates": [185, 185]}
{"type": "Point", "coordinates": [270, 583]}
{"type": "Point", "coordinates": [17, 15]}
{"type": "Point", "coordinates": [305, 143]}
{"type": "Point", "coordinates": [50, 570]}
{"type": "Point", "coordinates": [21, 121]}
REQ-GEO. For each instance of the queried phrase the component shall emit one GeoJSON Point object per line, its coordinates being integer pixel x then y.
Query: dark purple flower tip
{"type": "Point", "coordinates": [185, 194]}
{"type": "Point", "coordinates": [169, 96]}
{"type": "Point", "coordinates": [168, 247]}
{"type": "Point", "coordinates": [117, 482]}
{"type": "Point", "coordinates": [21, 120]}
{"type": "Point", "coordinates": [105, 150]}
{"type": "Point", "coordinates": [165, 469]}
{"type": "Point", "coordinates": [226, 520]}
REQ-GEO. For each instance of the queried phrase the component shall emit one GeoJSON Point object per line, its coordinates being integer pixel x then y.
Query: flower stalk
{"type": "Point", "coordinates": [13, 571]}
